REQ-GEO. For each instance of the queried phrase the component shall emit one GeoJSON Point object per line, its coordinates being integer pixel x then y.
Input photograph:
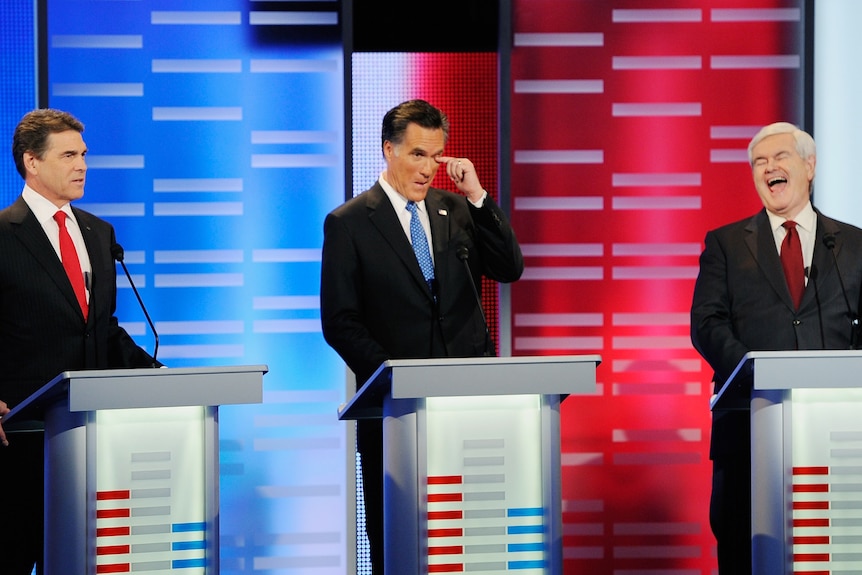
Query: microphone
{"type": "Point", "coordinates": [463, 255]}
{"type": "Point", "coordinates": [829, 242]}
{"type": "Point", "coordinates": [118, 254]}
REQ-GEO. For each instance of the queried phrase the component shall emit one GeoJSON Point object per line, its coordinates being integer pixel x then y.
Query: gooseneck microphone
{"type": "Point", "coordinates": [118, 254]}
{"type": "Point", "coordinates": [829, 242]}
{"type": "Point", "coordinates": [464, 255]}
{"type": "Point", "coordinates": [811, 273]}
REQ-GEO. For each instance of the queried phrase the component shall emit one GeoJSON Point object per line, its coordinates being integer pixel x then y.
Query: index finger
{"type": "Point", "coordinates": [444, 159]}
{"type": "Point", "coordinates": [4, 411]}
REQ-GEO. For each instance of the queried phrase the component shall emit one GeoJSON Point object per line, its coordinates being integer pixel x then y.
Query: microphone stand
{"type": "Point", "coordinates": [463, 255]}
{"type": "Point", "coordinates": [119, 255]}
{"type": "Point", "coordinates": [812, 278]}
{"type": "Point", "coordinates": [829, 242]}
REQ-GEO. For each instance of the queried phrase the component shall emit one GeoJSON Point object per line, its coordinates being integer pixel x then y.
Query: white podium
{"type": "Point", "coordinates": [806, 460]}
{"type": "Point", "coordinates": [131, 466]}
{"type": "Point", "coordinates": [471, 451]}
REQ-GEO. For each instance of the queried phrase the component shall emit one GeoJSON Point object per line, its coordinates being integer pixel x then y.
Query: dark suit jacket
{"type": "Point", "coordinates": [741, 303]}
{"type": "Point", "coordinates": [374, 302]}
{"type": "Point", "coordinates": [42, 329]}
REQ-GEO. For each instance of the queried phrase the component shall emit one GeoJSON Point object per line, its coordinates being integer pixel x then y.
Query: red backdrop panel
{"type": "Point", "coordinates": [629, 125]}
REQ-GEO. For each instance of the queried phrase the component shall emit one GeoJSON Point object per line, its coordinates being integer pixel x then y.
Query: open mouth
{"type": "Point", "coordinates": [772, 182]}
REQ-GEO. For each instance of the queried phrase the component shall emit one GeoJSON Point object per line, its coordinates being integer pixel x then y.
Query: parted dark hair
{"type": "Point", "coordinates": [418, 112]}
{"type": "Point", "coordinates": [31, 134]}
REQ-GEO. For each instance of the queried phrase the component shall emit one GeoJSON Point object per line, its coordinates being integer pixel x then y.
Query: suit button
{"type": "Point", "coordinates": [797, 322]}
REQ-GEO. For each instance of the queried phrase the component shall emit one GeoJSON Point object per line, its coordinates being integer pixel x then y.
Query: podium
{"type": "Point", "coordinates": [131, 466]}
{"type": "Point", "coordinates": [472, 459]}
{"type": "Point", "coordinates": [806, 459]}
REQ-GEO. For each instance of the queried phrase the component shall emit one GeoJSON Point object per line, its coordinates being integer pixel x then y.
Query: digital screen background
{"type": "Point", "coordinates": [18, 88]}
{"type": "Point", "coordinates": [216, 148]}
{"type": "Point", "coordinates": [221, 220]}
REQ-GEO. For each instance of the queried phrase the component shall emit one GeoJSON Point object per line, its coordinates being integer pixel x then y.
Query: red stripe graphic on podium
{"type": "Point", "coordinates": [113, 495]}
{"type": "Point", "coordinates": [116, 568]}
{"type": "Point", "coordinates": [487, 536]}
{"type": "Point", "coordinates": [820, 475]}
{"type": "Point", "coordinates": [120, 495]}
{"type": "Point", "coordinates": [445, 515]}
{"type": "Point", "coordinates": [185, 542]}
{"type": "Point", "coordinates": [445, 480]}
{"type": "Point", "coordinates": [442, 515]}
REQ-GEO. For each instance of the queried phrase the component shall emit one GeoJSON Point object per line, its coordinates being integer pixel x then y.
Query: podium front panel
{"type": "Point", "coordinates": [150, 503]}
{"type": "Point", "coordinates": [486, 510]}
{"type": "Point", "coordinates": [131, 490]}
{"type": "Point", "coordinates": [485, 473]}
{"type": "Point", "coordinates": [826, 480]}
{"type": "Point", "coordinates": [807, 481]}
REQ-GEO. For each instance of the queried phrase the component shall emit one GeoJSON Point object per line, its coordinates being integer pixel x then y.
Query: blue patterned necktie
{"type": "Point", "coordinates": [420, 243]}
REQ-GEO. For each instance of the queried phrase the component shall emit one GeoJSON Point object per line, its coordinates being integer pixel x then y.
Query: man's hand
{"type": "Point", "coordinates": [4, 409]}
{"type": "Point", "coordinates": [462, 172]}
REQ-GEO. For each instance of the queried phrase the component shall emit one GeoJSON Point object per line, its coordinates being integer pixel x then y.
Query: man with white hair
{"type": "Point", "coordinates": [769, 282]}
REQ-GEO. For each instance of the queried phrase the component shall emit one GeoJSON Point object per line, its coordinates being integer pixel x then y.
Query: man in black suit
{"type": "Point", "coordinates": [375, 301]}
{"type": "Point", "coordinates": [45, 326]}
{"type": "Point", "coordinates": [742, 302]}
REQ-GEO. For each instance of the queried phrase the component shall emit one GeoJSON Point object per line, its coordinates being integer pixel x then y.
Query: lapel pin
{"type": "Point", "coordinates": [443, 212]}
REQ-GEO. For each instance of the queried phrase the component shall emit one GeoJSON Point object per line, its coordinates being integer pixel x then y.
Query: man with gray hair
{"type": "Point", "coordinates": [768, 282]}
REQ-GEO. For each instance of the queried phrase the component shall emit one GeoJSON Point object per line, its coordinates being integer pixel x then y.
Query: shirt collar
{"type": "Point", "coordinates": [806, 219]}
{"type": "Point", "coordinates": [43, 208]}
{"type": "Point", "coordinates": [399, 202]}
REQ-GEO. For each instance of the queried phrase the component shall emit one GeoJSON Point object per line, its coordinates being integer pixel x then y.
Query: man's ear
{"type": "Point", "coordinates": [388, 150]}
{"type": "Point", "coordinates": [30, 160]}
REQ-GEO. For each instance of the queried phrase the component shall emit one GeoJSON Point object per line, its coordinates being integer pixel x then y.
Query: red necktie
{"type": "Point", "coordinates": [71, 263]}
{"type": "Point", "coordinates": [791, 261]}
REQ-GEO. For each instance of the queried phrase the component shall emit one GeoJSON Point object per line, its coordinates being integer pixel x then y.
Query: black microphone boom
{"type": "Point", "coordinates": [463, 254]}
{"type": "Point", "coordinates": [829, 242]}
{"type": "Point", "coordinates": [812, 279]}
{"type": "Point", "coordinates": [118, 254]}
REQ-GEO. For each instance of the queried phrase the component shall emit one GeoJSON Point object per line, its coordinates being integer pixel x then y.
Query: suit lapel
{"type": "Point", "coordinates": [761, 243]}
{"type": "Point", "coordinates": [440, 218]}
{"type": "Point", "coordinates": [94, 254]}
{"type": "Point", "coordinates": [30, 233]}
{"type": "Point", "coordinates": [383, 217]}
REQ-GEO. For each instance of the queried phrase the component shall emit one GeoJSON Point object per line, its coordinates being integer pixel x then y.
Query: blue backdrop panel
{"type": "Point", "coordinates": [215, 131]}
{"type": "Point", "coordinates": [18, 92]}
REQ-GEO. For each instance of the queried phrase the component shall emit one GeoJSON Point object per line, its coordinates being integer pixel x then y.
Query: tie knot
{"type": "Point", "coordinates": [411, 207]}
{"type": "Point", "coordinates": [60, 217]}
{"type": "Point", "coordinates": [789, 225]}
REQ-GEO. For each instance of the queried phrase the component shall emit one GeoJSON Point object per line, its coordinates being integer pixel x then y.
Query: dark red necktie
{"type": "Point", "coordinates": [71, 263]}
{"type": "Point", "coordinates": [791, 261]}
